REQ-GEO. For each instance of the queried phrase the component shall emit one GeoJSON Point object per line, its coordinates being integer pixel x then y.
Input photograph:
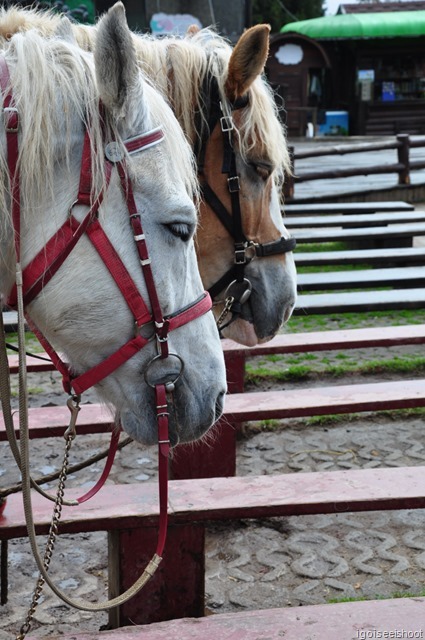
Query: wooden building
{"type": "Point", "coordinates": [367, 63]}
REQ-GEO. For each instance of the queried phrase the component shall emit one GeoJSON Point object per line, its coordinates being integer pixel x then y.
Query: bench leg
{"type": "Point", "coordinates": [177, 589]}
{"type": "Point", "coordinates": [3, 572]}
{"type": "Point", "coordinates": [213, 459]}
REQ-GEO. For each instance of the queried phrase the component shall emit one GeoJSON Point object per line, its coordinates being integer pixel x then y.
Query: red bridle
{"type": "Point", "coordinates": [47, 262]}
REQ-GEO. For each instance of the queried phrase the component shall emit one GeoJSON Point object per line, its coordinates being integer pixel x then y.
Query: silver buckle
{"type": "Point", "coordinates": [226, 124]}
{"type": "Point", "coordinates": [233, 184]}
{"type": "Point", "coordinates": [7, 111]}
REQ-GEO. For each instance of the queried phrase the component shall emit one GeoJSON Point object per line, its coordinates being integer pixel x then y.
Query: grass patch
{"type": "Point", "coordinates": [332, 419]}
{"type": "Point", "coordinates": [396, 594]}
{"type": "Point", "coordinates": [31, 342]}
{"type": "Point", "coordinates": [260, 374]}
{"type": "Point", "coordinates": [316, 247]}
{"type": "Point", "coordinates": [298, 369]}
{"type": "Point", "coordinates": [301, 324]}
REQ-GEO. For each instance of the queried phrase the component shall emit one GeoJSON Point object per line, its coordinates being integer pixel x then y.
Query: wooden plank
{"type": "Point", "coordinates": [360, 301]}
{"type": "Point", "coordinates": [240, 407]}
{"type": "Point", "coordinates": [347, 207]}
{"type": "Point", "coordinates": [398, 231]}
{"type": "Point", "coordinates": [135, 506]}
{"type": "Point", "coordinates": [402, 618]}
{"type": "Point", "coordinates": [330, 340]}
{"type": "Point", "coordinates": [367, 278]}
{"type": "Point", "coordinates": [385, 257]}
{"type": "Point", "coordinates": [363, 220]}
{"type": "Point", "coordinates": [294, 343]}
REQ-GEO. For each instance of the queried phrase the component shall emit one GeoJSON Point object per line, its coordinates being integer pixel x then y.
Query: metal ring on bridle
{"type": "Point", "coordinates": [245, 295]}
{"type": "Point", "coordinates": [173, 376]}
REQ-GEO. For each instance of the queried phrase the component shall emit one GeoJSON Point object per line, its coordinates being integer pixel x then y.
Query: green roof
{"type": "Point", "coordinates": [397, 24]}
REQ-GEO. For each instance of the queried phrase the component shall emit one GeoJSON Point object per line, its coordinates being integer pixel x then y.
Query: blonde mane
{"type": "Point", "coordinates": [178, 67]}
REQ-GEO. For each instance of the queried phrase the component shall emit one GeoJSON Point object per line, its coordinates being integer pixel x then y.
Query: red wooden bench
{"type": "Point", "coordinates": [129, 513]}
{"type": "Point", "coordinates": [343, 621]}
{"type": "Point", "coordinates": [220, 459]}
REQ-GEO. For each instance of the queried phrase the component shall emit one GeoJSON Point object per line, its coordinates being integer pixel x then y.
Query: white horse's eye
{"type": "Point", "coordinates": [181, 230]}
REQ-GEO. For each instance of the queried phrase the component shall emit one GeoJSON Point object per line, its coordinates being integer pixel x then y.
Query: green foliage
{"type": "Point", "coordinates": [278, 13]}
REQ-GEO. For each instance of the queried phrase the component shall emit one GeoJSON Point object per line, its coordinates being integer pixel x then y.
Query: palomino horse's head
{"type": "Point", "coordinates": [82, 310]}
{"type": "Point", "coordinates": [244, 250]}
{"type": "Point", "coordinates": [227, 110]}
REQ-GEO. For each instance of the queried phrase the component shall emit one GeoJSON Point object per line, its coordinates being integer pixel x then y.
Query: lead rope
{"type": "Point", "coordinates": [44, 563]}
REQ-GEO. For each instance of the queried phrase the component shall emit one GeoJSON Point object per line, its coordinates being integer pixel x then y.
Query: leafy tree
{"type": "Point", "coordinates": [278, 13]}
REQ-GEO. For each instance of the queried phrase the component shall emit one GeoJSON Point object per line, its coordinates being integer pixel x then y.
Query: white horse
{"type": "Point", "coordinates": [56, 89]}
{"type": "Point", "coordinates": [211, 86]}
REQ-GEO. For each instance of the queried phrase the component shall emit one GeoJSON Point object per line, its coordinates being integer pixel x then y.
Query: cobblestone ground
{"type": "Point", "coordinates": [250, 564]}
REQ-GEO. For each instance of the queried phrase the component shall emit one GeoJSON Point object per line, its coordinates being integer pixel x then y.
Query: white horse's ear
{"type": "Point", "coordinates": [115, 60]}
{"type": "Point", "coordinates": [64, 31]}
{"type": "Point", "coordinates": [247, 60]}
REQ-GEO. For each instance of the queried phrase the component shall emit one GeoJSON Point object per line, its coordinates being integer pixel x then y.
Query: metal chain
{"type": "Point", "coordinates": [227, 306]}
{"type": "Point", "coordinates": [51, 539]}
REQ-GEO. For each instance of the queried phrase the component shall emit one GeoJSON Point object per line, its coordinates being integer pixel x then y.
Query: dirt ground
{"type": "Point", "coordinates": [250, 564]}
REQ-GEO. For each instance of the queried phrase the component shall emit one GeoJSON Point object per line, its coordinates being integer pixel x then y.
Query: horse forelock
{"type": "Point", "coordinates": [55, 93]}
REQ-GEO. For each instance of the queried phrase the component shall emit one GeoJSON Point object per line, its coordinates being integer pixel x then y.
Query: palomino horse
{"type": "Point", "coordinates": [94, 279]}
{"type": "Point", "coordinates": [228, 112]}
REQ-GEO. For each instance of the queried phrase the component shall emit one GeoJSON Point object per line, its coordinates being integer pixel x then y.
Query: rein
{"type": "Point", "coordinates": [30, 282]}
{"type": "Point", "coordinates": [235, 282]}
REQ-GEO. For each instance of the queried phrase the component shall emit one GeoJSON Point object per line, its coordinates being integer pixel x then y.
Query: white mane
{"type": "Point", "coordinates": [39, 66]}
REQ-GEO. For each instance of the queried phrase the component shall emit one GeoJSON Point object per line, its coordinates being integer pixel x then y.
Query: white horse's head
{"type": "Point", "coordinates": [57, 88]}
{"type": "Point", "coordinates": [208, 82]}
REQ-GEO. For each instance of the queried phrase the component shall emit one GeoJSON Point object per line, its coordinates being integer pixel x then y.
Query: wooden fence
{"type": "Point", "coordinates": [402, 143]}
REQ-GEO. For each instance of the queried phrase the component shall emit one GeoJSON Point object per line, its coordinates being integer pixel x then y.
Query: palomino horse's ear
{"type": "Point", "coordinates": [64, 31]}
{"type": "Point", "coordinates": [191, 30]}
{"type": "Point", "coordinates": [115, 60]}
{"type": "Point", "coordinates": [247, 60]}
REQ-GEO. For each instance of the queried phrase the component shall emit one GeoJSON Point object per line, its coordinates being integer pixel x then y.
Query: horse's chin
{"type": "Point", "coordinates": [241, 331]}
{"type": "Point", "coordinates": [182, 427]}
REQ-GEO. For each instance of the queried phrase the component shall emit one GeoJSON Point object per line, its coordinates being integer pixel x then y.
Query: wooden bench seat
{"type": "Point", "coordinates": [319, 303]}
{"type": "Point", "coordinates": [408, 277]}
{"type": "Point", "coordinates": [347, 207]}
{"type": "Point", "coordinates": [380, 257]}
{"type": "Point", "coordinates": [353, 220]}
{"type": "Point", "coordinates": [342, 621]}
{"type": "Point", "coordinates": [130, 513]}
{"type": "Point", "coordinates": [391, 231]}
{"type": "Point", "coordinates": [236, 354]}
{"type": "Point", "coordinates": [243, 407]}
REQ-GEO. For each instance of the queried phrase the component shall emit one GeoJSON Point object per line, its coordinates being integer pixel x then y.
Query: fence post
{"type": "Point", "coordinates": [288, 185]}
{"type": "Point", "coordinates": [403, 158]}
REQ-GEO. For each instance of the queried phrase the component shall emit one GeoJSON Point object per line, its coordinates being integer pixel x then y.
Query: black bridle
{"type": "Point", "coordinates": [235, 282]}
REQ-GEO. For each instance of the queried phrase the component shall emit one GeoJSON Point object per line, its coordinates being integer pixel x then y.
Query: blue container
{"type": "Point", "coordinates": [336, 124]}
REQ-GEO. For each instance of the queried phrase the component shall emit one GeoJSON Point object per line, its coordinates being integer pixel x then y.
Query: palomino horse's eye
{"type": "Point", "coordinates": [181, 230]}
{"type": "Point", "coordinates": [264, 171]}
